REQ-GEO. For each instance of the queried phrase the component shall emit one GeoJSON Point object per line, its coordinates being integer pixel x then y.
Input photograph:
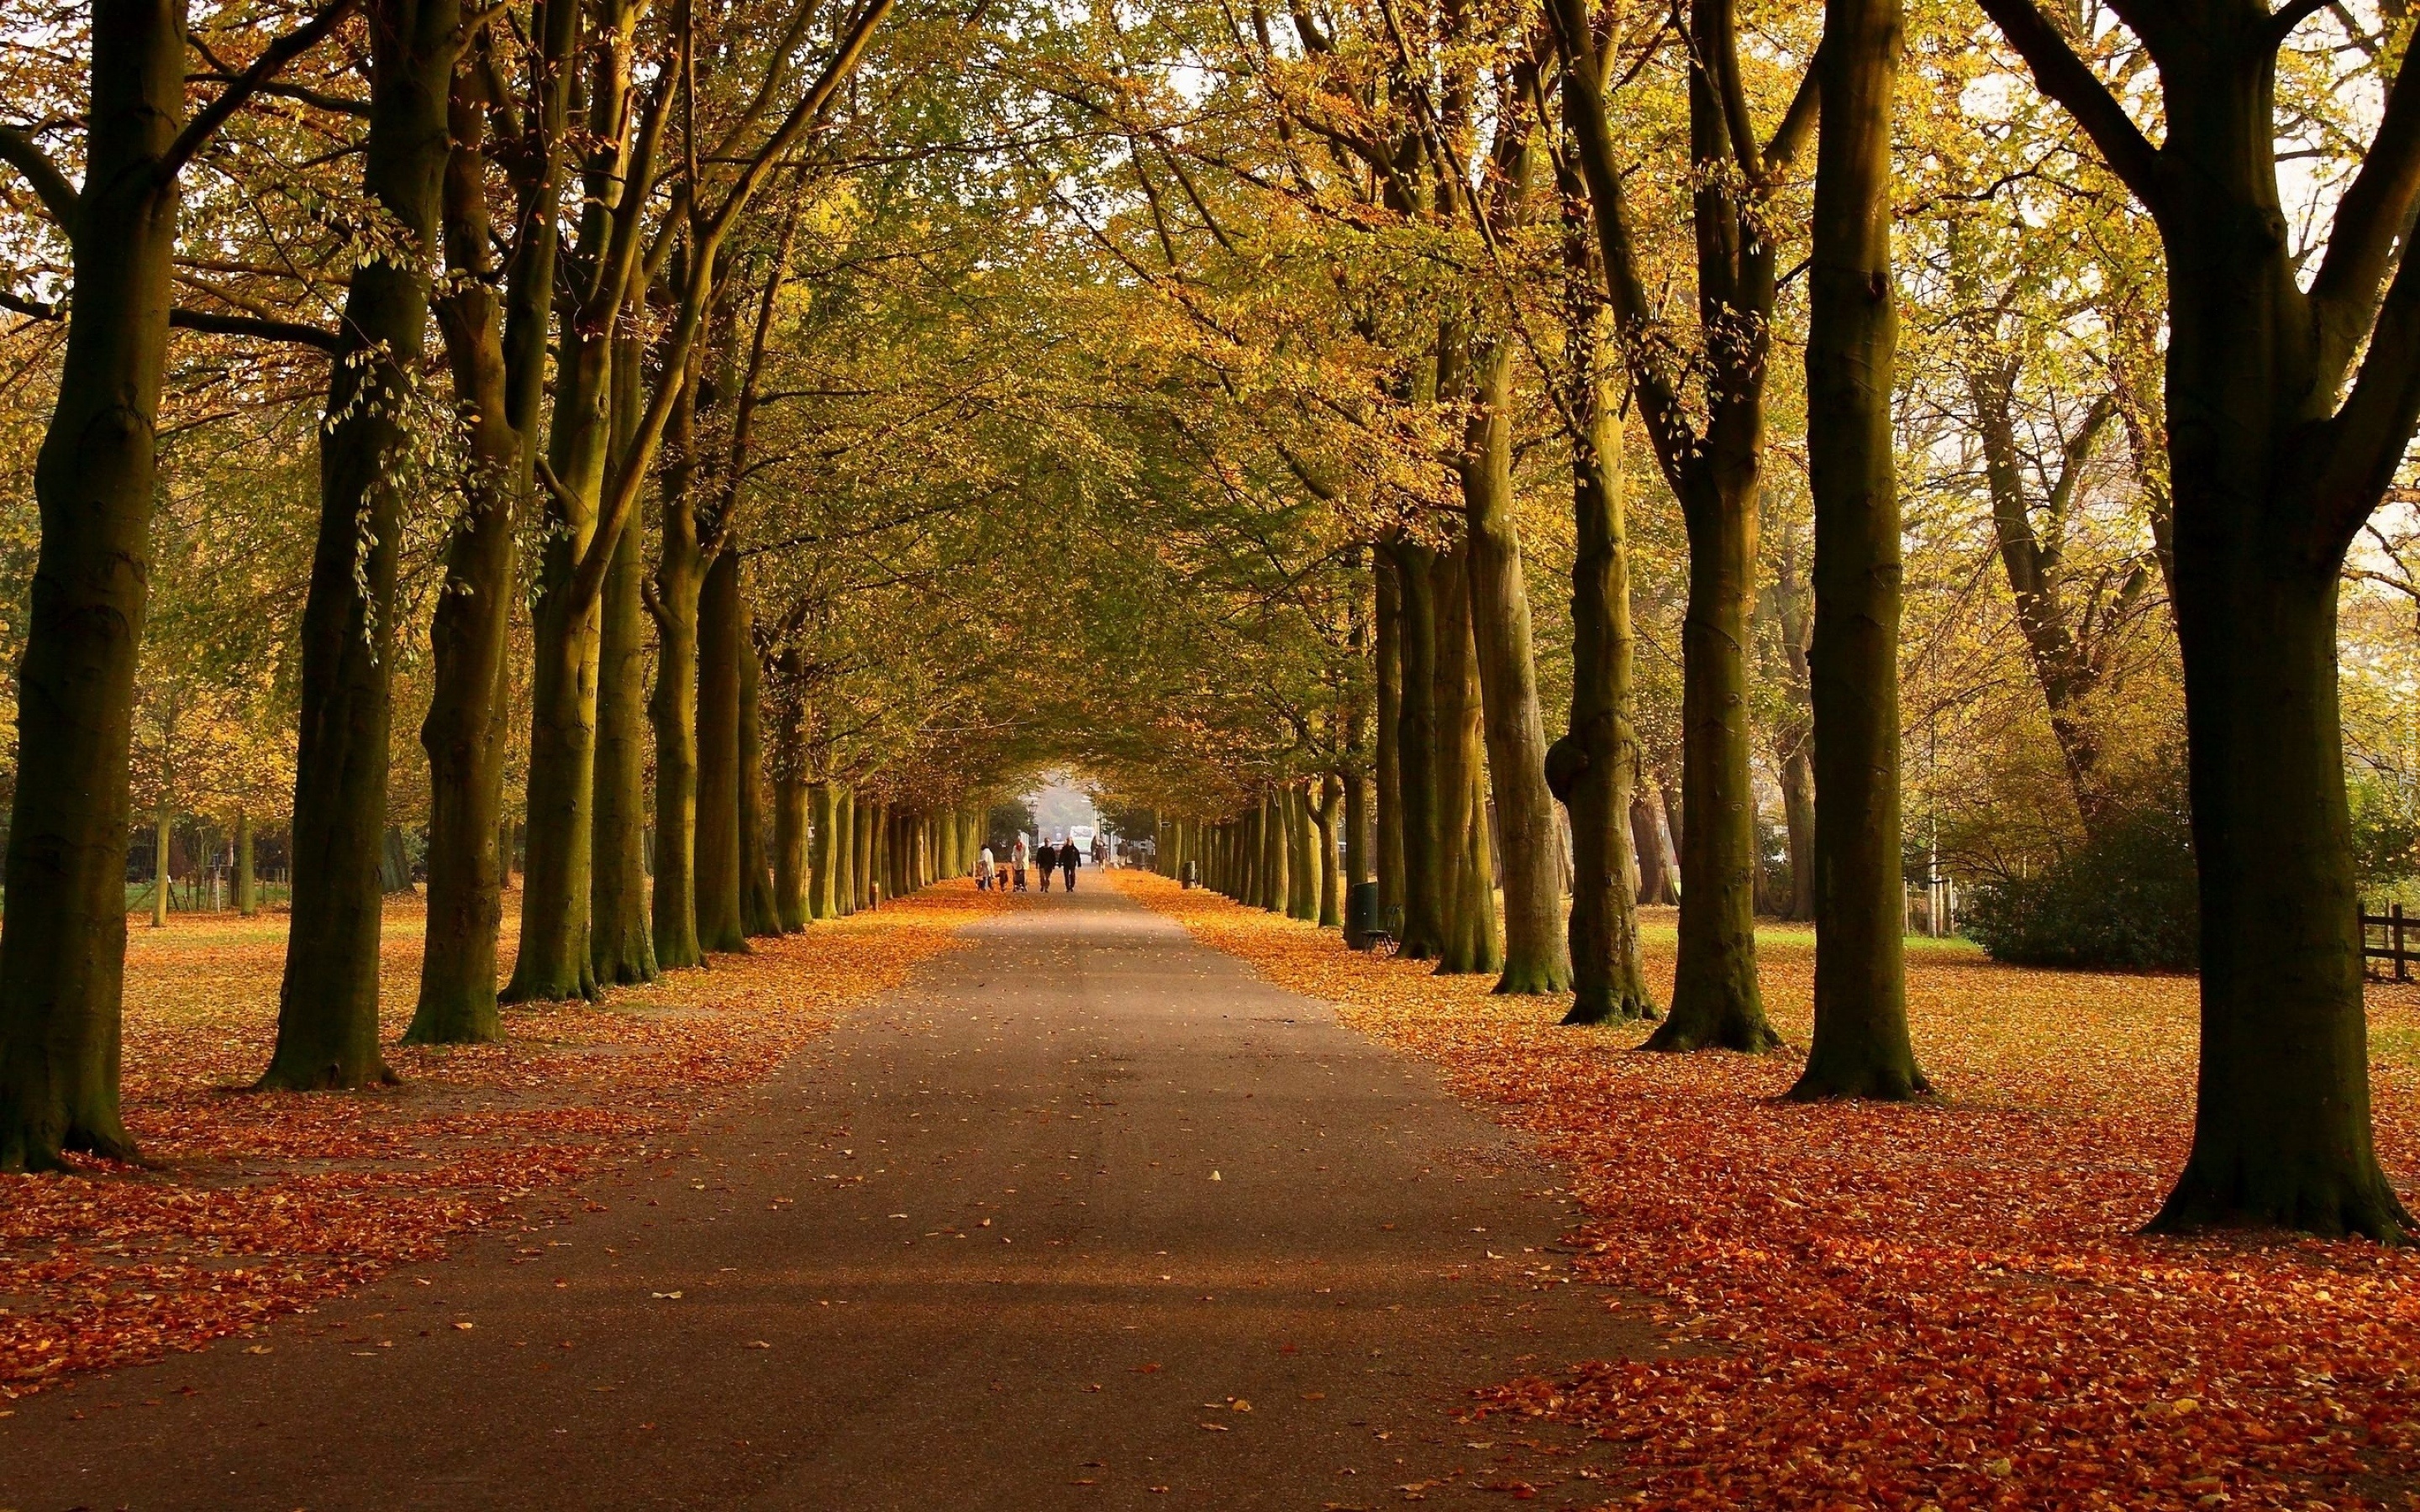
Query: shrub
{"type": "Point", "coordinates": [2385, 833]}
{"type": "Point", "coordinates": [2121, 898]}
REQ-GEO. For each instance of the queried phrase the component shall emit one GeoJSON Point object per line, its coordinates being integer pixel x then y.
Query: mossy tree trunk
{"type": "Point", "coordinates": [621, 941]}
{"type": "Point", "coordinates": [1417, 743]}
{"type": "Point", "coordinates": [63, 938]}
{"type": "Point", "coordinates": [680, 575]}
{"type": "Point", "coordinates": [328, 1003]}
{"type": "Point", "coordinates": [1302, 862]}
{"type": "Point", "coordinates": [164, 879]}
{"type": "Point", "coordinates": [1861, 1046]}
{"type": "Point", "coordinates": [1388, 860]}
{"type": "Point", "coordinates": [757, 911]}
{"type": "Point", "coordinates": [848, 890]}
{"type": "Point", "coordinates": [554, 961]}
{"type": "Point", "coordinates": [247, 888]}
{"type": "Point", "coordinates": [1536, 957]}
{"type": "Point", "coordinates": [1325, 818]}
{"type": "Point", "coordinates": [1710, 447]}
{"type": "Point", "coordinates": [823, 850]}
{"type": "Point", "coordinates": [1593, 767]}
{"type": "Point", "coordinates": [718, 861]}
{"type": "Point", "coordinates": [496, 382]}
{"type": "Point", "coordinates": [1469, 944]}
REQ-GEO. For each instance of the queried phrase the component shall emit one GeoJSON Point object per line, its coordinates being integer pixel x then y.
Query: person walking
{"type": "Point", "coordinates": [1047, 859]}
{"type": "Point", "coordinates": [1017, 858]}
{"type": "Point", "coordinates": [984, 870]}
{"type": "Point", "coordinates": [1071, 856]}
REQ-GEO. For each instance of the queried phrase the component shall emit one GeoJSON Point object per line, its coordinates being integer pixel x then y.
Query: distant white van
{"type": "Point", "coordinates": [1082, 836]}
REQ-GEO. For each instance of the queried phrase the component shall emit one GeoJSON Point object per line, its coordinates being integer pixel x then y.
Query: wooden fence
{"type": "Point", "coordinates": [2397, 949]}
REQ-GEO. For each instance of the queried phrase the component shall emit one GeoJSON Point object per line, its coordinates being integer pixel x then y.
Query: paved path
{"type": "Point", "coordinates": [1086, 1217]}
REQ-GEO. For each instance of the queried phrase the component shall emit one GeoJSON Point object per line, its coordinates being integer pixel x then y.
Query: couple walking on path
{"type": "Point", "coordinates": [1064, 856]}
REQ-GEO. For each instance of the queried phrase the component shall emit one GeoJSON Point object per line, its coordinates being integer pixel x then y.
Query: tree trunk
{"type": "Point", "coordinates": [1536, 959]}
{"type": "Point", "coordinates": [681, 574]}
{"type": "Point", "coordinates": [1861, 1047]}
{"type": "Point", "coordinates": [865, 824]}
{"type": "Point", "coordinates": [1331, 879]}
{"type": "Point", "coordinates": [719, 924]}
{"type": "Point", "coordinates": [566, 620]}
{"type": "Point", "coordinates": [1593, 767]}
{"type": "Point", "coordinates": [328, 1004]}
{"type": "Point", "coordinates": [1647, 847]}
{"type": "Point", "coordinates": [1302, 862]}
{"type": "Point", "coordinates": [757, 912]}
{"type": "Point", "coordinates": [1798, 818]}
{"type": "Point", "coordinates": [803, 872]}
{"type": "Point", "coordinates": [2281, 1131]}
{"type": "Point", "coordinates": [469, 634]}
{"type": "Point", "coordinates": [798, 885]}
{"type": "Point", "coordinates": [850, 891]}
{"type": "Point", "coordinates": [1709, 444]}
{"type": "Point", "coordinates": [2290, 411]}
{"type": "Point", "coordinates": [163, 820]}
{"type": "Point", "coordinates": [1466, 893]}
{"type": "Point", "coordinates": [1387, 862]}
{"type": "Point", "coordinates": [247, 891]}
{"type": "Point", "coordinates": [621, 937]}
{"type": "Point", "coordinates": [823, 850]}
{"type": "Point", "coordinates": [1271, 893]}
{"type": "Point", "coordinates": [63, 938]}
{"type": "Point", "coordinates": [1716, 1000]}
{"type": "Point", "coordinates": [554, 961]}
{"type": "Point", "coordinates": [1417, 753]}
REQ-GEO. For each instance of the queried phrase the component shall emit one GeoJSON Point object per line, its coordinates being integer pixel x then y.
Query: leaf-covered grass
{"type": "Point", "coordinates": [257, 1204]}
{"type": "Point", "coordinates": [1939, 1305]}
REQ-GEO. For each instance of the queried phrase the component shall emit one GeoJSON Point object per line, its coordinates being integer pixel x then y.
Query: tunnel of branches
{"type": "Point", "coordinates": [650, 475]}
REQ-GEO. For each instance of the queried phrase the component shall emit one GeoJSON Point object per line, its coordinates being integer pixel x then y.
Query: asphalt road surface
{"type": "Point", "coordinates": [1084, 1217]}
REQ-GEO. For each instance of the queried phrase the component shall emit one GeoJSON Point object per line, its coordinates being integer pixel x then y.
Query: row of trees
{"type": "Point", "coordinates": [1228, 403]}
{"type": "Point", "coordinates": [2279, 430]}
{"type": "Point", "coordinates": [593, 209]}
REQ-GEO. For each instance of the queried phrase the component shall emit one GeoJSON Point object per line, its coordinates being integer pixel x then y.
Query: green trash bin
{"type": "Point", "coordinates": [1361, 915]}
{"type": "Point", "coordinates": [1184, 875]}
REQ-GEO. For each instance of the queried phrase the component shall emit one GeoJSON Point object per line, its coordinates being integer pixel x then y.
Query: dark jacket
{"type": "Point", "coordinates": [1046, 857]}
{"type": "Point", "coordinates": [1069, 857]}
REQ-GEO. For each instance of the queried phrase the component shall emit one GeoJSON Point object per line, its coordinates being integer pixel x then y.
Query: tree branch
{"type": "Point", "coordinates": [2368, 221]}
{"type": "Point", "coordinates": [315, 98]}
{"type": "Point", "coordinates": [1797, 124]}
{"type": "Point", "coordinates": [2062, 74]}
{"type": "Point", "coordinates": [205, 125]}
{"type": "Point", "coordinates": [2282, 25]}
{"type": "Point", "coordinates": [19, 149]}
{"type": "Point", "coordinates": [185, 318]}
{"type": "Point", "coordinates": [2366, 439]}
{"type": "Point", "coordinates": [254, 326]}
